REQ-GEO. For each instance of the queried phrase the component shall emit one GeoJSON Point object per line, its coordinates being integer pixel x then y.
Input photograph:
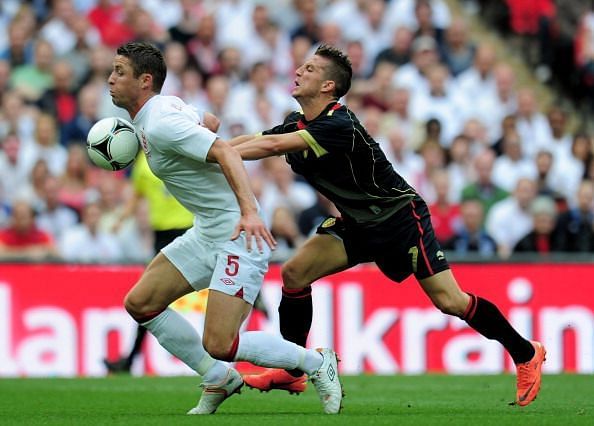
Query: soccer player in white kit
{"type": "Point", "coordinates": [207, 176]}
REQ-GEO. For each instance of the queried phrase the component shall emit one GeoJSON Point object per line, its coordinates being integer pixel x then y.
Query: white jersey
{"type": "Point", "coordinates": [176, 145]}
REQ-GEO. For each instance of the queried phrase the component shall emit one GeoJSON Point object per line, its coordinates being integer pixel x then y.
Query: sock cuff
{"type": "Point", "coordinates": [145, 319]}
{"type": "Point", "coordinates": [471, 308]}
{"type": "Point", "coordinates": [296, 293]}
{"type": "Point", "coordinates": [205, 364]}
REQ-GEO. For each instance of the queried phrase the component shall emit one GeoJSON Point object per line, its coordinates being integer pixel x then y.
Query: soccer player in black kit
{"type": "Point", "coordinates": [383, 220]}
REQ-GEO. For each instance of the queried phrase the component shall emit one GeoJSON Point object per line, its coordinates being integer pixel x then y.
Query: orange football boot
{"type": "Point", "coordinates": [529, 376]}
{"type": "Point", "coordinates": [276, 378]}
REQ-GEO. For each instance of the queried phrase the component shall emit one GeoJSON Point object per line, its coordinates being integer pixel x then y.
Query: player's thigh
{"type": "Point", "coordinates": [160, 284]}
{"type": "Point", "coordinates": [445, 293]}
{"type": "Point", "coordinates": [320, 255]}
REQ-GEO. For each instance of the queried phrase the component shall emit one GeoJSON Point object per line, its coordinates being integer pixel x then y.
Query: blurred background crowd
{"type": "Point", "coordinates": [503, 170]}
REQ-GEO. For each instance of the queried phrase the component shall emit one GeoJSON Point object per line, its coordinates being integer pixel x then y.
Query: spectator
{"type": "Point", "coordinates": [398, 116]}
{"type": "Point", "coordinates": [398, 53]}
{"type": "Point", "coordinates": [531, 124]}
{"type": "Point", "coordinates": [34, 189]}
{"type": "Point", "coordinates": [86, 243]}
{"type": "Point", "coordinates": [177, 61]}
{"type": "Point", "coordinates": [13, 173]}
{"type": "Point", "coordinates": [512, 165]}
{"type": "Point", "coordinates": [309, 25]}
{"type": "Point", "coordinates": [46, 146]}
{"type": "Point", "coordinates": [433, 156]}
{"type": "Point", "coordinates": [398, 152]}
{"type": "Point", "coordinates": [412, 75]}
{"type": "Point", "coordinates": [445, 215]}
{"type": "Point", "coordinates": [60, 100]}
{"type": "Point", "coordinates": [377, 90]}
{"type": "Point", "coordinates": [53, 216]}
{"type": "Point", "coordinates": [32, 80]}
{"type": "Point", "coordinates": [483, 188]}
{"type": "Point", "coordinates": [440, 102]}
{"type": "Point", "coordinates": [74, 179]}
{"type": "Point", "coordinates": [509, 220]}
{"type": "Point", "coordinates": [76, 131]}
{"type": "Point", "coordinates": [546, 181]}
{"type": "Point", "coordinates": [109, 18]}
{"type": "Point", "coordinates": [22, 239]}
{"type": "Point", "coordinates": [575, 233]}
{"type": "Point", "coordinates": [20, 49]}
{"type": "Point", "coordinates": [479, 80]}
{"type": "Point", "coordinates": [459, 166]}
{"type": "Point", "coordinates": [471, 236]}
{"type": "Point", "coordinates": [17, 117]}
{"type": "Point", "coordinates": [494, 108]}
{"type": "Point", "coordinates": [59, 31]}
{"type": "Point", "coordinates": [541, 238]}
{"type": "Point", "coordinates": [229, 65]}
{"type": "Point", "coordinates": [425, 25]}
{"type": "Point", "coordinates": [457, 51]}
{"type": "Point", "coordinates": [203, 46]}
{"type": "Point", "coordinates": [146, 28]}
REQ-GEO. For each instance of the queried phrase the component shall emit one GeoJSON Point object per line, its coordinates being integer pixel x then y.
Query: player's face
{"type": "Point", "coordinates": [309, 78]}
{"type": "Point", "coordinates": [124, 88]}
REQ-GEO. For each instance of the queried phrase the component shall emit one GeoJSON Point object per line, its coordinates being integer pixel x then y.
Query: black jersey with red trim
{"type": "Point", "coordinates": [345, 164]}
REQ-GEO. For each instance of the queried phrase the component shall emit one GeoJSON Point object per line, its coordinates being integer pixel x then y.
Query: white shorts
{"type": "Point", "coordinates": [225, 266]}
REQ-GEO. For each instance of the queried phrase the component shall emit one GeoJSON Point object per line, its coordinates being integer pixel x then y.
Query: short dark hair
{"type": "Point", "coordinates": [340, 71]}
{"type": "Point", "coordinates": [145, 59]}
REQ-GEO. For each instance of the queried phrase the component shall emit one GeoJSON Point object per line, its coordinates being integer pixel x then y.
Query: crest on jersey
{"type": "Point", "coordinates": [329, 222]}
{"type": "Point", "coordinates": [144, 144]}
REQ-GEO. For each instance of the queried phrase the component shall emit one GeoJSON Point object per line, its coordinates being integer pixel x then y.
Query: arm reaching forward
{"type": "Point", "coordinates": [231, 165]}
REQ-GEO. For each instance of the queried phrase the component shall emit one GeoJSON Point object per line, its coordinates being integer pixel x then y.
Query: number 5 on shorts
{"type": "Point", "coordinates": [232, 265]}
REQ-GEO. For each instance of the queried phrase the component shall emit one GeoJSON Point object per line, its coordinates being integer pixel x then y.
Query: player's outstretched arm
{"type": "Point", "coordinates": [270, 145]}
{"type": "Point", "coordinates": [251, 223]}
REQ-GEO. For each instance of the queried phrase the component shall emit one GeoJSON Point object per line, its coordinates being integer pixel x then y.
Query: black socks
{"type": "Point", "coordinates": [485, 317]}
{"type": "Point", "coordinates": [295, 314]}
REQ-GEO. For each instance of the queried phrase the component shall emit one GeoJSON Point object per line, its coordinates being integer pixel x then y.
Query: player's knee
{"type": "Point", "coordinates": [219, 347]}
{"type": "Point", "coordinates": [136, 307]}
{"type": "Point", "coordinates": [292, 277]}
{"type": "Point", "coordinates": [448, 305]}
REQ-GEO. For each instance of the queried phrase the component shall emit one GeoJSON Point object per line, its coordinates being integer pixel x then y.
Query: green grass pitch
{"type": "Point", "coordinates": [370, 400]}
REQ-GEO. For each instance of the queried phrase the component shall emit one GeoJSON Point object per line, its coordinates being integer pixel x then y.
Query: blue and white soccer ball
{"type": "Point", "coordinates": [112, 143]}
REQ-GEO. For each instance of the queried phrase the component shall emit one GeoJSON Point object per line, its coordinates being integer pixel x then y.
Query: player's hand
{"type": "Point", "coordinates": [253, 226]}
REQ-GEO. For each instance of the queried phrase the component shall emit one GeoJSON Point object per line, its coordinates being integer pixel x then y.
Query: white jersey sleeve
{"type": "Point", "coordinates": [184, 133]}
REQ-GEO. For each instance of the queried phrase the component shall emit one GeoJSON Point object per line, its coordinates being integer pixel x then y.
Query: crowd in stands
{"type": "Point", "coordinates": [502, 173]}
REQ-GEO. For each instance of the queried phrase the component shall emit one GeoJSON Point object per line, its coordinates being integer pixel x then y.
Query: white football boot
{"type": "Point", "coordinates": [213, 395]}
{"type": "Point", "coordinates": [327, 383]}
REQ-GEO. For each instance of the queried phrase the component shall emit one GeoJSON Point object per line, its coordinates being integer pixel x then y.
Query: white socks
{"type": "Point", "coordinates": [178, 336]}
{"type": "Point", "coordinates": [268, 350]}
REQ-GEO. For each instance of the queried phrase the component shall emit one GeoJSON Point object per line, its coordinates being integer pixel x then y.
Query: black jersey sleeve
{"type": "Point", "coordinates": [330, 133]}
{"type": "Point", "coordinates": [287, 126]}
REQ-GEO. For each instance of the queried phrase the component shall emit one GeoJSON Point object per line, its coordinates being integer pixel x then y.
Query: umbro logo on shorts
{"type": "Point", "coordinates": [227, 281]}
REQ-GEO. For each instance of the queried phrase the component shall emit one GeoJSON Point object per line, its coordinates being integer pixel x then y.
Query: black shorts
{"type": "Point", "coordinates": [404, 244]}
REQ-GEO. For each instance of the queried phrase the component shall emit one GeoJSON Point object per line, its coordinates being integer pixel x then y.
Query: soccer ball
{"type": "Point", "coordinates": [112, 143]}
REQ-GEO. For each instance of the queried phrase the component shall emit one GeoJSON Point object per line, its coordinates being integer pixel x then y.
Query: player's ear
{"type": "Point", "coordinates": [146, 81]}
{"type": "Point", "coordinates": [328, 86]}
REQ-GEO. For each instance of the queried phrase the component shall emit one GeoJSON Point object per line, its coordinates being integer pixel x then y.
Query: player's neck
{"type": "Point", "coordinates": [133, 110]}
{"type": "Point", "coordinates": [314, 106]}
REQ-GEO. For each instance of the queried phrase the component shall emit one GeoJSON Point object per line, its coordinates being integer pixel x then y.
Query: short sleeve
{"type": "Point", "coordinates": [183, 135]}
{"type": "Point", "coordinates": [286, 127]}
{"type": "Point", "coordinates": [330, 133]}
